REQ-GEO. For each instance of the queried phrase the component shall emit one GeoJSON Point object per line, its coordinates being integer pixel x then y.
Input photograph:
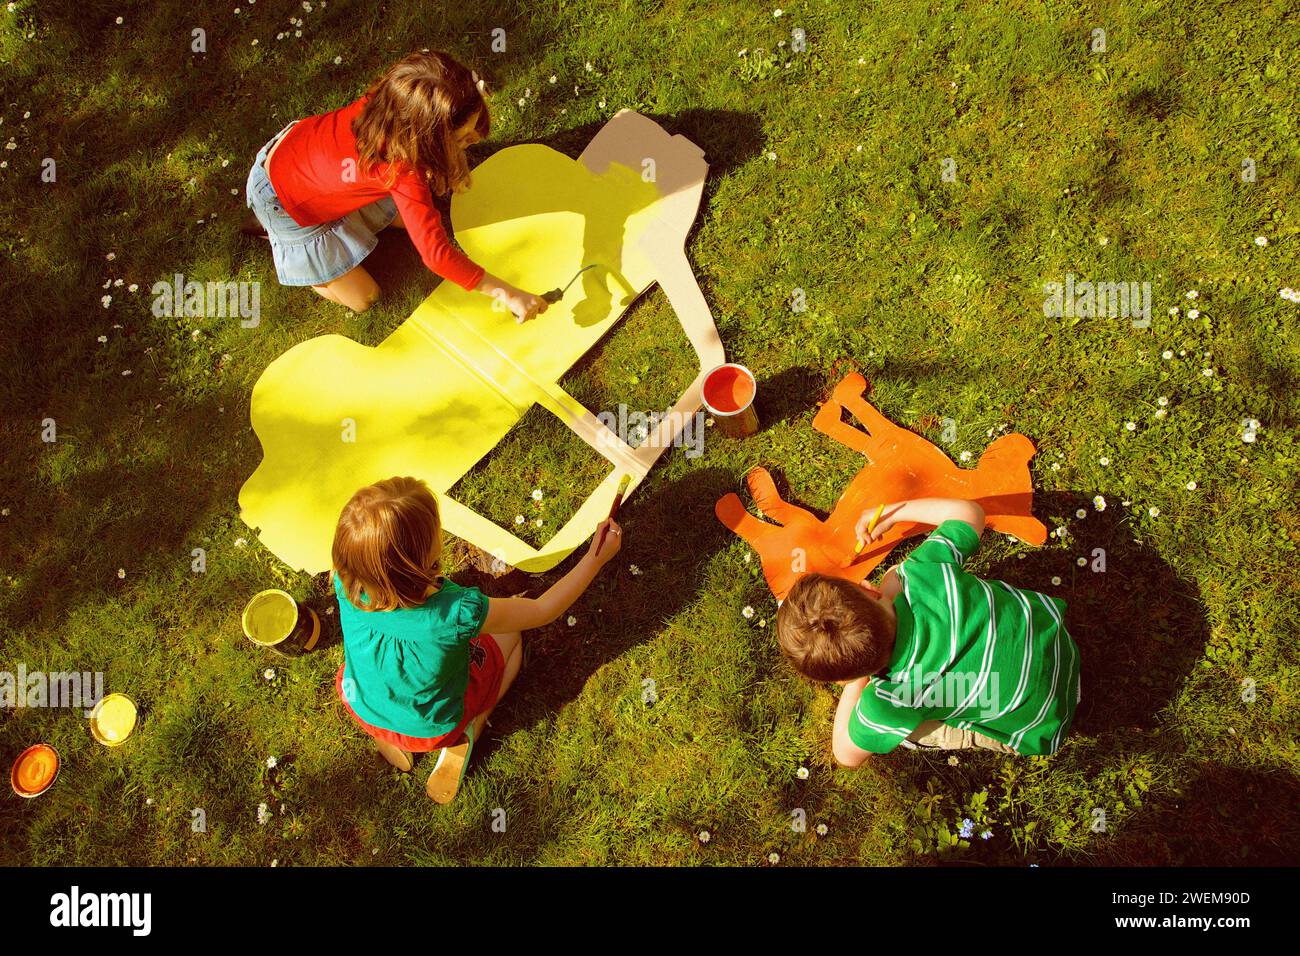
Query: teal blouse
{"type": "Point", "coordinates": [406, 670]}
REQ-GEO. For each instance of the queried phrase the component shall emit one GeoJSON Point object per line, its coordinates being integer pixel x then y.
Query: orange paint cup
{"type": "Point", "coordinates": [729, 392]}
{"type": "Point", "coordinates": [34, 771]}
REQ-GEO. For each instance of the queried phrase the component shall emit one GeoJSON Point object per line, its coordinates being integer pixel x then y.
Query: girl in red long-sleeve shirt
{"type": "Point", "coordinates": [325, 185]}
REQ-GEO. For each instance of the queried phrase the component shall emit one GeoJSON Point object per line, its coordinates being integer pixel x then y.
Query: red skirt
{"type": "Point", "coordinates": [487, 666]}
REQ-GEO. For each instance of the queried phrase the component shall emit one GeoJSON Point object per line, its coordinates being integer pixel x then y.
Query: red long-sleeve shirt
{"type": "Point", "coordinates": [315, 182]}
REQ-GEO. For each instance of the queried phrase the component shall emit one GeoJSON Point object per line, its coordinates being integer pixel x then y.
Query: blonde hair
{"type": "Point", "coordinates": [388, 545]}
{"type": "Point", "coordinates": [411, 116]}
{"type": "Point", "coordinates": [831, 631]}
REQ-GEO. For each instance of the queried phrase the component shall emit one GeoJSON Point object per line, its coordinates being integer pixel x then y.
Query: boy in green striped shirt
{"type": "Point", "coordinates": [937, 657]}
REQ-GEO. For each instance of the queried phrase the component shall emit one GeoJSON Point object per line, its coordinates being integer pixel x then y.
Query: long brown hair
{"type": "Point", "coordinates": [388, 545]}
{"type": "Point", "coordinates": [411, 116]}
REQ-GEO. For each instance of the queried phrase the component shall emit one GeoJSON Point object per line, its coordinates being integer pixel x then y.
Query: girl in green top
{"type": "Point", "coordinates": [425, 660]}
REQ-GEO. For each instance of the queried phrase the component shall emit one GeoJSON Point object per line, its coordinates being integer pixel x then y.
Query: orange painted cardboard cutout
{"type": "Point", "coordinates": [902, 465]}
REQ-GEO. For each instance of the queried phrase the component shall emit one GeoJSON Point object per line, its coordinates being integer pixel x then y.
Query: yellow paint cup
{"type": "Point", "coordinates": [274, 620]}
{"type": "Point", "coordinates": [113, 720]}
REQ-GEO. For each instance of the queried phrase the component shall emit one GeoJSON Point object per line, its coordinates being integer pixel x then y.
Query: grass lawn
{"type": "Point", "coordinates": [826, 186]}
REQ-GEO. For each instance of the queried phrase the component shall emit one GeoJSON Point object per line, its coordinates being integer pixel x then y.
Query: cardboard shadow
{"type": "Point", "coordinates": [619, 610]}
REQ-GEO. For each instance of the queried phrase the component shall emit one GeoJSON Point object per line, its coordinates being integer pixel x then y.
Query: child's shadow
{"type": "Point", "coordinates": [620, 609]}
{"type": "Point", "coordinates": [1139, 626]}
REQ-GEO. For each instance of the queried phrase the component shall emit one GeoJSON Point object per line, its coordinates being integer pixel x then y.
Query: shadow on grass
{"type": "Point", "coordinates": [619, 609]}
{"type": "Point", "coordinates": [1226, 816]}
{"type": "Point", "coordinates": [1139, 626]}
{"type": "Point", "coordinates": [729, 138]}
{"type": "Point", "coordinates": [95, 510]}
{"type": "Point", "coordinates": [787, 395]}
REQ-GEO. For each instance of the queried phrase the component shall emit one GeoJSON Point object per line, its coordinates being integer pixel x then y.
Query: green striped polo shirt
{"type": "Point", "coordinates": [977, 655]}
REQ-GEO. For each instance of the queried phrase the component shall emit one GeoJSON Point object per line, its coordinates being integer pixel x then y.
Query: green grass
{"type": "Point", "coordinates": [825, 177]}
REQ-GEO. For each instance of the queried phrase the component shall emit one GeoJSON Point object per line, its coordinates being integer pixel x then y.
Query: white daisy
{"type": "Point", "coordinates": [1261, 240]}
{"type": "Point", "coordinates": [1154, 512]}
{"type": "Point", "coordinates": [1099, 503]}
{"type": "Point", "coordinates": [747, 612]}
{"type": "Point", "coordinates": [1191, 486]}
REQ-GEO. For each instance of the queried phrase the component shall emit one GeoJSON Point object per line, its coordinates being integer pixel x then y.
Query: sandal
{"type": "Point", "coordinates": [449, 771]}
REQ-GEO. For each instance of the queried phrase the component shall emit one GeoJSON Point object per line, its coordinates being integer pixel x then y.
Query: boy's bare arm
{"type": "Point", "coordinates": [847, 753]}
{"type": "Point", "coordinates": [926, 511]}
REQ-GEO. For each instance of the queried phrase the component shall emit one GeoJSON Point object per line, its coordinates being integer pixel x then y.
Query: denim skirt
{"type": "Point", "coordinates": [313, 255]}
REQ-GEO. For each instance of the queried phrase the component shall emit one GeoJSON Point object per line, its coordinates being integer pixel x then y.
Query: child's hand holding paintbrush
{"type": "Point", "coordinates": [609, 536]}
{"type": "Point", "coordinates": [870, 528]}
{"type": "Point", "coordinates": [923, 512]}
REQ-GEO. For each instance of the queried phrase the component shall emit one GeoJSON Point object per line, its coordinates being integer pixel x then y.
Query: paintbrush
{"type": "Point", "coordinates": [613, 509]}
{"type": "Point", "coordinates": [871, 526]}
{"type": "Point", "coordinates": [555, 295]}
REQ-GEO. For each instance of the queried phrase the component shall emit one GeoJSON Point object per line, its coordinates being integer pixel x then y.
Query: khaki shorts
{"type": "Point", "coordinates": [936, 735]}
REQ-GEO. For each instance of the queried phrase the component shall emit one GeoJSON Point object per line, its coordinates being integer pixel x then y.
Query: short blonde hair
{"type": "Point", "coordinates": [831, 631]}
{"type": "Point", "coordinates": [388, 545]}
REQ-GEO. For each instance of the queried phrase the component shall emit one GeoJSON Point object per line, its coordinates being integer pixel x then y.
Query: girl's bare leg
{"type": "Point", "coordinates": [356, 289]}
{"type": "Point", "coordinates": [512, 649]}
{"type": "Point", "coordinates": [444, 779]}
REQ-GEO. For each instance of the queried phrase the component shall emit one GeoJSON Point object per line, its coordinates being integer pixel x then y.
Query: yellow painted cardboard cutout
{"type": "Point", "coordinates": [439, 393]}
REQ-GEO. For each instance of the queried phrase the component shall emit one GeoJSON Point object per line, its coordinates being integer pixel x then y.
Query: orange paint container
{"type": "Point", "coordinates": [729, 392]}
{"type": "Point", "coordinates": [34, 771]}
